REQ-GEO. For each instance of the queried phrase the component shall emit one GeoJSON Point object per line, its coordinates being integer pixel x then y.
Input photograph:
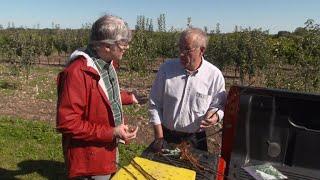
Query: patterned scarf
{"type": "Point", "coordinates": [109, 77]}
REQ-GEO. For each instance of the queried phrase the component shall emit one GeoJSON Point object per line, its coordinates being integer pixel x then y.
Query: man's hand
{"type": "Point", "coordinates": [159, 144]}
{"type": "Point", "coordinates": [123, 132]}
{"type": "Point", "coordinates": [210, 119]}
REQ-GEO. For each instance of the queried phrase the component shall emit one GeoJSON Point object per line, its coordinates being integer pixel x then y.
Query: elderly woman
{"type": "Point", "coordinates": [89, 108]}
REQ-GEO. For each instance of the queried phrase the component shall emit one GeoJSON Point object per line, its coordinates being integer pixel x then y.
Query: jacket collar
{"type": "Point", "coordinates": [90, 67]}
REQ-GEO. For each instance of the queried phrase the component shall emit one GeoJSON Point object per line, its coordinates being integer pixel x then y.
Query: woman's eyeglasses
{"type": "Point", "coordinates": [123, 45]}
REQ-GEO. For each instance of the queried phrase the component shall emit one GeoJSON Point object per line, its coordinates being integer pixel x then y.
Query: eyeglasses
{"type": "Point", "coordinates": [187, 51]}
{"type": "Point", "coordinates": [122, 45]}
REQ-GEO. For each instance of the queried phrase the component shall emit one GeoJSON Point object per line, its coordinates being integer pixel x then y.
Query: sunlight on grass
{"type": "Point", "coordinates": [32, 150]}
{"type": "Point", "coordinates": [45, 82]}
{"type": "Point", "coordinates": [29, 150]}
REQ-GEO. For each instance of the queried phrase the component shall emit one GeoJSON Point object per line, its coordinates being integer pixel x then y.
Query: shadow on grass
{"type": "Point", "coordinates": [45, 168]}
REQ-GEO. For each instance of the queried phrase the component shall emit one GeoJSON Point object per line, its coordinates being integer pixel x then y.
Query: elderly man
{"type": "Point", "coordinates": [187, 95]}
{"type": "Point", "coordinates": [89, 108]}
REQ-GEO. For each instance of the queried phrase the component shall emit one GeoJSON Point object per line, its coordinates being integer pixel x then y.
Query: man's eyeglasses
{"type": "Point", "coordinates": [187, 51]}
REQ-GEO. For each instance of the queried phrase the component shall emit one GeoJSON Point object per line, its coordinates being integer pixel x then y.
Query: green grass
{"type": "Point", "coordinates": [29, 150]}
{"type": "Point", "coordinates": [32, 150]}
{"type": "Point", "coordinates": [8, 87]}
{"type": "Point", "coordinates": [48, 69]}
{"type": "Point", "coordinates": [41, 82]}
{"type": "Point", "coordinates": [8, 83]}
{"type": "Point", "coordinates": [136, 110]}
{"type": "Point", "coordinates": [128, 152]}
{"type": "Point", "coordinates": [45, 80]}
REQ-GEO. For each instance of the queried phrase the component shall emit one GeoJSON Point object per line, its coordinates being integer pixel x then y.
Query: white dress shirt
{"type": "Point", "coordinates": [179, 100]}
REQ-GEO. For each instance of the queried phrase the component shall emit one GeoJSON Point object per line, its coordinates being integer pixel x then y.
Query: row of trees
{"type": "Point", "coordinates": [286, 60]}
{"type": "Point", "coordinates": [22, 48]}
{"type": "Point", "coordinates": [146, 24]}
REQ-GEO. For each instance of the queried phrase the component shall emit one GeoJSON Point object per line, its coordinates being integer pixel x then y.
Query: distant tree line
{"type": "Point", "coordinates": [250, 53]}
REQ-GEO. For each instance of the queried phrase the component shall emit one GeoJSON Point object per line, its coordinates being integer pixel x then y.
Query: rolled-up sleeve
{"type": "Point", "coordinates": [219, 96]}
{"type": "Point", "coordinates": [156, 98]}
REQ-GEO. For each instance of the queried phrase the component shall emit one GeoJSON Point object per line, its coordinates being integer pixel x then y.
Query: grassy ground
{"type": "Point", "coordinates": [32, 150]}
{"type": "Point", "coordinates": [29, 150]}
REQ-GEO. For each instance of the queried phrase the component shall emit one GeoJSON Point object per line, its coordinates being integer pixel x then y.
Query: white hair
{"type": "Point", "coordinates": [109, 29]}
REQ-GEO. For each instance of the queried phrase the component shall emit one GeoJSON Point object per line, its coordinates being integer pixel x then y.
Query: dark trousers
{"type": "Point", "coordinates": [198, 140]}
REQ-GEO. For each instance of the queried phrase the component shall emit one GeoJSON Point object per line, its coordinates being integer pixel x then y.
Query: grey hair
{"type": "Point", "coordinates": [109, 29]}
{"type": "Point", "coordinates": [201, 38]}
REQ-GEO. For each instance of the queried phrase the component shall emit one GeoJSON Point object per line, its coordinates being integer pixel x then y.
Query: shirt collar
{"type": "Point", "coordinates": [193, 73]}
{"type": "Point", "coordinates": [92, 53]}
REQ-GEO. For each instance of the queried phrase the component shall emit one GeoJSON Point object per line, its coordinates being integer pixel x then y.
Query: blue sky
{"type": "Point", "coordinates": [273, 15]}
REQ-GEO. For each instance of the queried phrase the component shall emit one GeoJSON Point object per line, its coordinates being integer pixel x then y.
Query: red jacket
{"type": "Point", "coordinates": [85, 119]}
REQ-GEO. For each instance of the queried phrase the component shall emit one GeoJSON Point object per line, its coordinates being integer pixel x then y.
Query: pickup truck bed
{"type": "Point", "coordinates": [271, 126]}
